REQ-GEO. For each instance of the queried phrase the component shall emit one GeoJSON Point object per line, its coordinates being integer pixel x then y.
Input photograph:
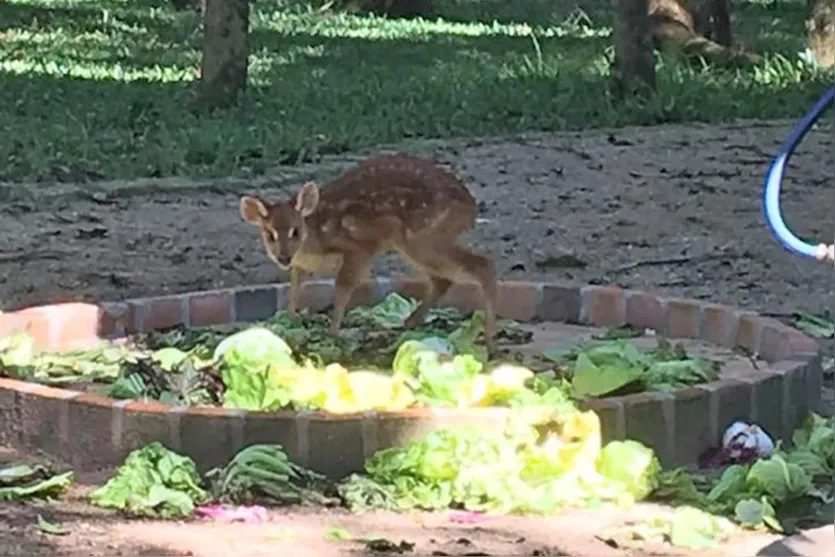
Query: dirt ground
{"type": "Point", "coordinates": [612, 200]}
{"type": "Point", "coordinates": [670, 208]}
{"type": "Point", "coordinates": [92, 532]}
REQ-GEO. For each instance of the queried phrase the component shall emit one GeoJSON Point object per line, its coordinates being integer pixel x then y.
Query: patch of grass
{"type": "Point", "coordinates": [101, 86]}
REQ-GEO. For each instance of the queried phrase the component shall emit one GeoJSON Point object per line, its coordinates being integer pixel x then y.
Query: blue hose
{"type": "Point", "coordinates": [771, 188]}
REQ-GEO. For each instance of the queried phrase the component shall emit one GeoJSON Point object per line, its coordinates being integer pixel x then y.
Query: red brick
{"type": "Point", "coordinates": [75, 325]}
{"type": "Point", "coordinates": [748, 332]}
{"type": "Point", "coordinates": [254, 303]}
{"type": "Point", "coordinates": [211, 436]}
{"type": "Point", "coordinates": [796, 388]}
{"type": "Point", "coordinates": [648, 421]}
{"type": "Point", "coordinates": [117, 320]}
{"type": "Point", "coordinates": [147, 407]}
{"type": "Point", "coordinates": [12, 384]}
{"type": "Point", "coordinates": [213, 412]}
{"type": "Point", "coordinates": [11, 324]}
{"type": "Point", "coordinates": [210, 308]}
{"type": "Point", "coordinates": [560, 302]}
{"type": "Point", "coordinates": [606, 306]}
{"type": "Point", "coordinates": [683, 319]}
{"type": "Point", "coordinates": [800, 343]}
{"type": "Point", "coordinates": [395, 429]}
{"type": "Point", "coordinates": [44, 419]}
{"type": "Point", "coordinates": [645, 310]}
{"type": "Point", "coordinates": [10, 431]}
{"type": "Point", "coordinates": [771, 348]}
{"type": "Point", "coordinates": [730, 400]}
{"type": "Point", "coordinates": [160, 313]}
{"type": "Point", "coordinates": [42, 391]}
{"type": "Point", "coordinates": [768, 408]}
{"type": "Point", "coordinates": [518, 300]}
{"type": "Point", "coordinates": [719, 325]}
{"type": "Point", "coordinates": [91, 432]}
{"type": "Point", "coordinates": [610, 413]}
{"type": "Point", "coordinates": [94, 400]}
{"type": "Point", "coordinates": [278, 428]}
{"type": "Point", "coordinates": [143, 423]}
{"type": "Point", "coordinates": [37, 324]}
{"type": "Point", "coordinates": [694, 428]}
{"type": "Point", "coordinates": [335, 444]}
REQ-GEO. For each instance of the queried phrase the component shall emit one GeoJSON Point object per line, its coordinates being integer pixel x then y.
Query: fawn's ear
{"type": "Point", "coordinates": [307, 199]}
{"type": "Point", "coordinates": [253, 210]}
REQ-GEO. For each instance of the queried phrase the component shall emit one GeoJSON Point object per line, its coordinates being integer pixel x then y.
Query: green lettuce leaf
{"type": "Point", "coordinates": [22, 481]}
{"type": "Point", "coordinates": [464, 337]}
{"type": "Point", "coordinates": [254, 390]}
{"type": "Point", "coordinates": [781, 480]}
{"type": "Point", "coordinates": [153, 482]}
{"type": "Point", "coordinates": [389, 313]}
{"type": "Point", "coordinates": [253, 349]}
{"type": "Point", "coordinates": [632, 464]}
{"type": "Point", "coordinates": [595, 380]}
{"type": "Point", "coordinates": [731, 487]}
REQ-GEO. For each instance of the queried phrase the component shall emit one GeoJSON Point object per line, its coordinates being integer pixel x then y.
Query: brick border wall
{"type": "Point", "coordinates": [91, 432]}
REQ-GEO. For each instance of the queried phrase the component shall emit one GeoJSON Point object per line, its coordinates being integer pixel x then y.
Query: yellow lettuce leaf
{"type": "Point", "coordinates": [375, 391]}
{"type": "Point", "coordinates": [475, 392]}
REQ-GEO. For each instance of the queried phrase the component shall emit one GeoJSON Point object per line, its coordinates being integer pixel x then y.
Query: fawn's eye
{"type": "Point", "coordinates": [273, 235]}
{"type": "Point", "coordinates": [292, 233]}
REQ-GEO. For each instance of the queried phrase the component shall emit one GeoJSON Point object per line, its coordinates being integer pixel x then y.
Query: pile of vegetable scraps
{"type": "Point", "coordinates": [294, 362]}
{"type": "Point", "coordinates": [536, 466]}
{"type": "Point", "coordinates": [539, 464]}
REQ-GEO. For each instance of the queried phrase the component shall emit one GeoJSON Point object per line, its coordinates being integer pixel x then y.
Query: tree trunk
{"type": "Point", "coordinates": [820, 30]}
{"type": "Point", "coordinates": [634, 64]}
{"type": "Point", "coordinates": [187, 5]}
{"type": "Point", "coordinates": [721, 11]}
{"type": "Point", "coordinates": [702, 13]}
{"type": "Point", "coordinates": [223, 71]}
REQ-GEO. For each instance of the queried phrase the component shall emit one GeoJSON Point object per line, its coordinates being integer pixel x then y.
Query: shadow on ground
{"type": "Point", "coordinates": [819, 542]}
{"type": "Point", "coordinates": [20, 535]}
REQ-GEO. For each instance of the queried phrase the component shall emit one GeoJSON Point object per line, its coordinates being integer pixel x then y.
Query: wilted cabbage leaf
{"type": "Point", "coordinates": [153, 482]}
{"type": "Point", "coordinates": [595, 380]}
{"type": "Point", "coordinates": [22, 481]}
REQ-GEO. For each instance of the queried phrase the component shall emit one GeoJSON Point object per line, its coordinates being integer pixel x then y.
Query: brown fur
{"type": "Point", "coordinates": [687, 26]}
{"type": "Point", "coordinates": [393, 202]}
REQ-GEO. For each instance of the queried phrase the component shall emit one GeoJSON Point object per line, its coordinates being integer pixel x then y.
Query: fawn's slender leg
{"type": "Point", "coordinates": [456, 264]}
{"type": "Point", "coordinates": [355, 267]}
{"type": "Point", "coordinates": [436, 288]}
{"type": "Point", "coordinates": [296, 276]}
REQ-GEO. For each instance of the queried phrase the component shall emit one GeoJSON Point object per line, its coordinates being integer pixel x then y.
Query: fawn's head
{"type": "Point", "coordinates": [282, 224]}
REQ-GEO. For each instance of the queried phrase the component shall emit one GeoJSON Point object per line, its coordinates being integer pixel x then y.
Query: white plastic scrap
{"type": "Point", "coordinates": [741, 436]}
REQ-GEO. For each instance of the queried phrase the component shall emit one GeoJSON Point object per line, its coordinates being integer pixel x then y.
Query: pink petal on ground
{"type": "Point", "coordinates": [466, 517]}
{"type": "Point", "coordinates": [211, 511]}
{"type": "Point", "coordinates": [250, 515]}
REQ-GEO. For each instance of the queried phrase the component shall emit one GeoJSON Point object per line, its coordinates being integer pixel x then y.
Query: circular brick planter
{"type": "Point", "coordinates": [91, 431]}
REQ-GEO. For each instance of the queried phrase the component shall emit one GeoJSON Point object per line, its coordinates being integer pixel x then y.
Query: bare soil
{"type": "Point", "coordinates": [675, 209]}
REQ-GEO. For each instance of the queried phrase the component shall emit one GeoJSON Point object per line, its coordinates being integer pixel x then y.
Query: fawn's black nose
{"type": "Point", "coordinates": [284, 259]}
